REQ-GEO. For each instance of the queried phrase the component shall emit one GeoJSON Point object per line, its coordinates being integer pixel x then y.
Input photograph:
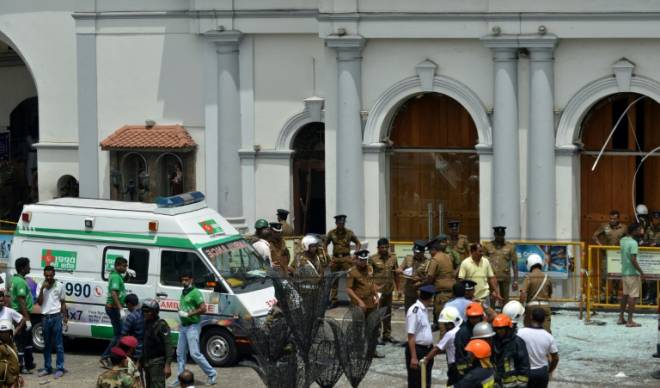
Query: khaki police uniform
{"type": "Point", "coordinates": [461, 245]}
{"type": "Point", "coordinates": [384, 269]}
{"type": "Point", "coordinates": [361, 281]}
{"type": "Point", "coordinates": [287, 229]}
{"type": "Point", "coordinates": [501, 259]}
{"type": "Point", "coordinates": [341, 253]}
{"type": "Point", "coordinates": [441, 269]}
{"type": "Point", "coordinates": [9, 365]}
{"type": "Point", "coordinates": [530, 286]}
{"type": "Point", "coordinates": [610, 235]}
{"type": "Point", "coordinates": [420, 268]}
{"type": "Point", "coordinates": [456, 257]}
{"type": "Point", "coordinates": [279, 254]}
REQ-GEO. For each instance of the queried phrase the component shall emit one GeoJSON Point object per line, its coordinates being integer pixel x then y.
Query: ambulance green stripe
{"type": "Point", "coordinates": [105, 332]}
{"type": "Point", "coordinates": [165, 241]}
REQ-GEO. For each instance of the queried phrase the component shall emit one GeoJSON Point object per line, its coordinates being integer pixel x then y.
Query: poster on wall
{"type": "Point", "coordinates": [5, 245]}
{"type": "Point", "coordinates": [556, 258]}
{"type": "Point", "coordinates": [648, 261]}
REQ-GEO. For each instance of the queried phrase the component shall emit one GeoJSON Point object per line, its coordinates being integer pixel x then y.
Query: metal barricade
{"type": "Point", "coordinates": [603, 278]}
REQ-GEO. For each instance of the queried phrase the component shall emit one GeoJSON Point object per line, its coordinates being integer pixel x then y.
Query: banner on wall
{"type": "Point", "coordinates": [5, 245]}
{"type": "Point", "coordinates": [649, 261]}
{"type": "Point", "coordinates": [556, 258]}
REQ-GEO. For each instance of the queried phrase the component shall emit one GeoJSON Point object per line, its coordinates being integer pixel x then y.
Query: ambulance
{"type": "Point", "coordinates": [81, 238]}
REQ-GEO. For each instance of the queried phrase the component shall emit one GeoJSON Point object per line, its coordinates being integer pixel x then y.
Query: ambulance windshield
{"type": "Point", "coordinates": [240, 266]}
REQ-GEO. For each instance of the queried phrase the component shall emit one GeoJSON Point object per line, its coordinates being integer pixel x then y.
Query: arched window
{"type": "Point", "coordinates": [170, 174]}
{"type": "Point", "coordinates": [134, 177]}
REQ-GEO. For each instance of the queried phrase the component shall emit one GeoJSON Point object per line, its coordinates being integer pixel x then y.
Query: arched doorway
{"type": "Point", "coordinates": [309, 179]}
{"type": "Point", "coordinates": [19, 131]}
{"type": "Point", "coordinates": [434, 168]}
{"type": "Point", "coordinates": [609, 187]}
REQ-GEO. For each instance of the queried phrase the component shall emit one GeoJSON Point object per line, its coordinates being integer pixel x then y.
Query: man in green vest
{"type": "Point", "coordinates": [21, 301]}
{"type": "Point", "coordinates": [114, 306]}
{"type": "Point", "coordinates": [191, 308]}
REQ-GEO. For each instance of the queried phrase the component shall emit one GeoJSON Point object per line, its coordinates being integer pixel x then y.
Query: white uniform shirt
{"type": "Point", "coordinates": [446, 344]}
{"type": "Point", "coordinates": [263, 248]}
{"type": "Point", "coordinates": [53, 297]}
{"type": "Point", "coordinates": [417, 323]}
{"type": "Point", "coordinates": [8, 313]}
{"type": "Point", "coordinates": [539, 345]}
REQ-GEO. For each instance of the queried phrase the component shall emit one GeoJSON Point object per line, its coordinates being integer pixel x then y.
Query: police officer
{"type": "Point", "coordinates": [386, 278]}
{"type": "Point", "coordinates": [340, 238]}
{"type": "Point", "coordinates": [458, 242]}
{"type": "Point", "coordinates": [441, 275]}
{"type": "Point", "coordinates": [309, 257]}
{"type": "Point", "coordinates": [260, 239]}
{"type": "Point", "coordinates": [287, 229]}
{"type": "Point", "coordinates": [279, 253]}
{"type": "Point", "coordinates": [158, 351]}
{"type": "Point", "coordinates": [420, 337]}
{"type": "Point", "coordinates": [10, 373]}
{"type": "Point", "coordinates": [511, 358]}
{"type": "Point", "coordinates": [536, 290]}
{"type": "Point", "coordinates": [413, 269]}
{"type": "Point", "coordinates": [503, 258]}
{"type": "Point", "coordinates": [611, 232]}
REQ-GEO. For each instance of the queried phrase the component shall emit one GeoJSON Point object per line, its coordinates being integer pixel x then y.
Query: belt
{"type": "Point", "coordinates": [538, 303]}
{"type": "Point", "coordinates": [51, 315]}
{"type": "Point", "coordinates": [424, 346]}
{"type": "Point", "coordinates": [340, 254]}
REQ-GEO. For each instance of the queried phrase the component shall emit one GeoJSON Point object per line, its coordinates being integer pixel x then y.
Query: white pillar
{"type": "Point", "coordinates": [223, 129]}
{"type": "Point", "coordinates": [506, 180]}
{"type": "Point", "coordinates": [350, 185]}
{"type": "Point", "coordinates": [541, 139]}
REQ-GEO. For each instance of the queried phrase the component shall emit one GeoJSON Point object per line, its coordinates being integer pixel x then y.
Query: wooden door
{"type": "Point", "coordinates": [309, 179]}
{"type": "Point", "coordinates": [610, 186]}
{"type": "Point", "coordinates": [433, 169]}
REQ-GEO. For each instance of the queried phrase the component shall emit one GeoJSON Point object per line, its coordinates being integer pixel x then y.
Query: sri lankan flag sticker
{"type": "Point", "coordinates": [211, 227]}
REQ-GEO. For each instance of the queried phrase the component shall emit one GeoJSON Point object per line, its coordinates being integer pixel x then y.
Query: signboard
{"type": "Point", "coordinates": [649, 261]}
{"type": "Point", "coordinates": [111, 255]}
{"type": "Point", "coordinates": [401, 250]}
{"type": "Point", "coordinates": [5, 245]}
{"type": "Point", "coordinates": [59, 259]}
{"type": "Point", "coordinates": [556, 258]}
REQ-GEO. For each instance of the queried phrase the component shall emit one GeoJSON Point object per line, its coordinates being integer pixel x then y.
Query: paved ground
{"type": "Point", "coordinates": [589, 356]}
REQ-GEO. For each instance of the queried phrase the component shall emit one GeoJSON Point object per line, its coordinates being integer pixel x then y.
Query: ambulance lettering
{"type": "Point", "coordinates": [169, 304]}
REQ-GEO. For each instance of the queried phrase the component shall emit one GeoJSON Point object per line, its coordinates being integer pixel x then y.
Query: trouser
{"type": "Point", "coordinates": [415, 375]}
{"type": "Point", "coordinates": [386, 301]}
{"type": "Point", "coordinates": [115, 320]}
{"type": "Point", "coordinates": [154, 372]}
{"type": "Point", "coordinates": [52, 331]}
{"type": "Point", "coordinates": [24, 346]}
{"type": "Point", "coordinates": [452, 374]}
{"type": "Point", "coordinates": [439, 301]}
{"type": "Point", "coordinates": [503, 285]}
{"type": "Point", "coordinates": [189, 342]}
{"type": "Point", "coordinates": [340, 264]}
{"type": "Point", "coordinates": [548, 315]}
{"type": "Point", "coordinates": [538, 378]}
{"type": "Point", "coordinates": [408, 301]}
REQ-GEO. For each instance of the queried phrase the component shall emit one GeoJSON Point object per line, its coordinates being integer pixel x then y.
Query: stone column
{"type": "Point", "coordinates": [223, 129]}
{"type": "Point", "coordinates": [506, 181]}
{"type": "Point", "coordinates": [541, 139]}
{"type": "Point", "coordinates": [350, 185]}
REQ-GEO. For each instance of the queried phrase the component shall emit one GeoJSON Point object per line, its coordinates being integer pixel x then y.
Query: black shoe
{"type": "Point", "coordinates": [25, 371]}
{"type": "Point", "coordinates": [391, 340]}
{"type": "Point", "coordinates": [31, 367]}
{"type": "Point", "coordinates": [382, 341]}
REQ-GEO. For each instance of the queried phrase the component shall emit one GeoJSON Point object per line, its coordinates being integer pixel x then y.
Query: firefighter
{"type": "Point", "coordinates": [511, 358]}
{"type": "Point", "coordinates": [481, 373]}
{"type": "Point", "coordinates": [474, 314]}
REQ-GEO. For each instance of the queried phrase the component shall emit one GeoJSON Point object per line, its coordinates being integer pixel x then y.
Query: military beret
{"type": "Point", "coordinates": [118, 352]}
{"type": "Point", "coordinates": [129, 341]}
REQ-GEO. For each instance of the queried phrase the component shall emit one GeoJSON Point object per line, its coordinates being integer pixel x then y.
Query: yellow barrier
{"type": "Point", "coordinates": [597, 295]}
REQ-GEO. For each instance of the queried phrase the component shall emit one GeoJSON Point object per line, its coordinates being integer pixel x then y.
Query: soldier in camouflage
{"type": "Point", "coordinates": [9, 375]}
{"type": "Point", "coordinates": [118, 376]}
{"type": "Point", "coordinates": [158, 352]}
{"type": "Point", "coordinates": [340, 238]}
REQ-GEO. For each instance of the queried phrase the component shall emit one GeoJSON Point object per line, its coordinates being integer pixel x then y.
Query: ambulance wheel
{"type": "Point", "coordinates": [218, 347]}
{"type": "Point", "coordinates": [38, 337]}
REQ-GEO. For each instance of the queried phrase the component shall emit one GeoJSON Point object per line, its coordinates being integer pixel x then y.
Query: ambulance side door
{"type": "Point", "coordinates": [138, 260]}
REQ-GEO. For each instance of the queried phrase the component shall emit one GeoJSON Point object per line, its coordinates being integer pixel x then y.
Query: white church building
{"type": "Point", "coordinates": [400, 114]}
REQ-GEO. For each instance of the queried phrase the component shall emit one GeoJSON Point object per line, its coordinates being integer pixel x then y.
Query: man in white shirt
{"type": "Point", "coordinates": [540, 344]}
{"type": "Point", "coordinates": [54, 315]}
{"type": "Point", "coordinates": [450, 317]}
{"type": "Point", "coordinates": [9, 314]}
{"type": "Point", "coordinates": [420, 337]}
{"type": "Point", "coordinates": [262, 246]}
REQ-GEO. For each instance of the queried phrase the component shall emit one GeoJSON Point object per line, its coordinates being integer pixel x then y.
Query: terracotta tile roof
{"type": "Point", "coordinates": [157, 137]}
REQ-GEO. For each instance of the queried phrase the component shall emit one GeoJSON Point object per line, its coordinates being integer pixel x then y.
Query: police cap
{"type": "Point", "coordinates": [276, 227]}
{"type": "Point", "coordinates": [453, 223]}
{"type": "Point", "coordinates": [427, 291]}
{"type": "Point", "coordinates": [362, 254]}
{"type": "Point", "coordinates": [419, 246]}
{"type": "Point", "coordinates": [656, 214]}
{"type": "Point", "coordinates": [282, 212]}
{"type": "Point", "coordinates": [340, 218]}
{"type": "Point", "coordinates": [499, 229]}
{"type": "Point", "coordinates": [469, 284]}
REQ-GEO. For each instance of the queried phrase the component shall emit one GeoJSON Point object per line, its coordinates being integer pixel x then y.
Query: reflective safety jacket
{"type": "Point", "coordinates": [511, 361]}
{"type": "Point", "coordinates": [477, 377]}
{"type": "Point", "coordinates": [463, 336]}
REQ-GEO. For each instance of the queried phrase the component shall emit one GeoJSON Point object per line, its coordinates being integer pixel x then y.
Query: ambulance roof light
{"type": "Point", "coordinates": [180, 200]}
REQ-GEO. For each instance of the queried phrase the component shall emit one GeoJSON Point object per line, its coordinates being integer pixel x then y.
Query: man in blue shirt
{"type": "Point", "coordinates": [462, 296]}
{"type": "Point", "coordinates": [631, 272]}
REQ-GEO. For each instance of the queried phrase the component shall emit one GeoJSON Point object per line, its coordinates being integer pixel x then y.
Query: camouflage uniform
{"type": "Point", "coordinates": [341, 253]}
{"type": "Point", "coordinates": [302, 260]}
{"type": "Point", "coordinates": [158, 352]}
{"type": "Point", "coordinates": [501, 258]}
{"type": "Point", "coordinates": [117, 377]}
{"type": "Point", "coordinates": [8, 358]}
